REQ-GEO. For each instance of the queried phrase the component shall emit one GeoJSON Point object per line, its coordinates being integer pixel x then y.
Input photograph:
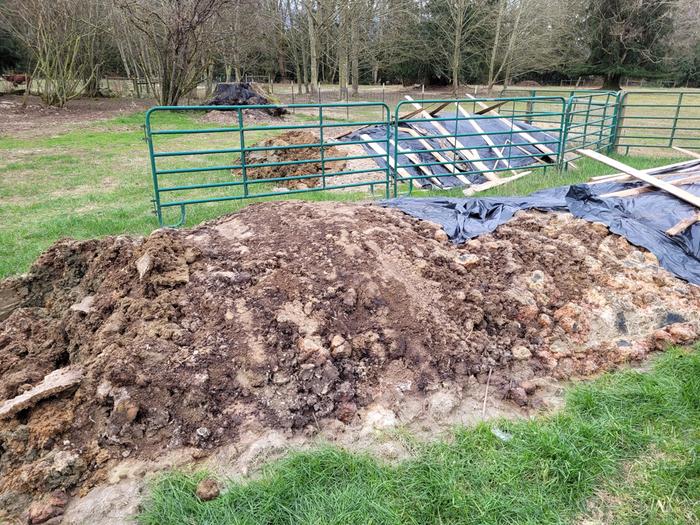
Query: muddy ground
{"type": "Point", "coordinates": [291, 319]}
{"type": "Point", "coordinates": [37, 120]}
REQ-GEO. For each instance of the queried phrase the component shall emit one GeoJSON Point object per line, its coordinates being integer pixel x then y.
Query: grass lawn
{"type": "Point", "coordinates": [96, 181]}
{"type": "Point", "coordinates": [624, 450]}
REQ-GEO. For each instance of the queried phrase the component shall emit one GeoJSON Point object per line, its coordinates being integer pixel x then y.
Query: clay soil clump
{"type": "Point", "coordinates": [292, 316]}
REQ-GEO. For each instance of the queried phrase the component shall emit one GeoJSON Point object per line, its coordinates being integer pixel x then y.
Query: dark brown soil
{"type": "Point", "coordinates": [275, 155]}
{"type": "Point", "coordinates": [293, 314]}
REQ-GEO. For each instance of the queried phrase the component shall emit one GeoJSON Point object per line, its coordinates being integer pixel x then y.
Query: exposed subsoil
{"type": "Point", "coordinates": [294, 316]}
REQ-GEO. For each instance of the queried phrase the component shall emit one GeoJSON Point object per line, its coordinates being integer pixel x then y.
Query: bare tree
{"type": "Point", "coordinates": [459, 34]}
{"type": "Point", "coordinates": [533, 35]}
{"type": "Point", "coordinates": [177, 35]}
{"type": "Point", "coordinates": [56, 34]}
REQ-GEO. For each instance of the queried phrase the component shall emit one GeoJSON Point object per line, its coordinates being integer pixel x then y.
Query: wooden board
{"type": "Point", "coordinates": [419, 164]}
{"type": "Point", "coordinates": [644, 189]}
{"type": "Point", "coordinates": [439, 156]}
{"type": "Point", "coordinates": [493, 184]}
{"type": "Point", "coordinates": [470, 155]}
{"type": "Point", "coordinates": [694, 154]}
{"type": "Point", "coordinates": [652, 171]}
{"type": "Point", "coordinates": [638, 174]}
{"type": "Point", "coordinates": [520, 131]}
{"type": "Point", "coordinates": [376, 147]}
{"type": "Point", "coordinates": [475, 125]}
{"type": "Point", "coordinates": [681, 226]}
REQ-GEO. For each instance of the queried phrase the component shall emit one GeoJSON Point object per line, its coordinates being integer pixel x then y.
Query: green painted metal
{"type": "Point", "coordinates": [591, 123]}
{"type": "Point", "coordinates": [186, 176]}
{"type": "Point", "coordinates": [592, 119]}
{"type": "Point", "coordinates": [549, 112]}
{"type": "Point", "coordinates": [658, 119]}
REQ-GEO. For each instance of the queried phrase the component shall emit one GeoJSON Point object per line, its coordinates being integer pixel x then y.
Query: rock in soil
{"type": "Point", "coordinates": [290, 317]}
{"type": "Point", "coordinates": [207, 489]}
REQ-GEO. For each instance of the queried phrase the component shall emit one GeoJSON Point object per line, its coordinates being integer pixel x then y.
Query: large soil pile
{"type": "Point", "coordinates": [296, 314]}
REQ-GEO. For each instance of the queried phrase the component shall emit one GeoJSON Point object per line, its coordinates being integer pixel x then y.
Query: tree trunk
{"type": "Point", "coordinates": [305, 68]}
{"type": "Point", "coordinates": [496, 42]}
{"type": "Point", "coordinates": [313, 48]}
{"type": "Point", "coordinates": [355, 55]}
{"type": "Point", "coordinates": [611, 81]}
{"type": "Point", "coordinates": [342, 52]}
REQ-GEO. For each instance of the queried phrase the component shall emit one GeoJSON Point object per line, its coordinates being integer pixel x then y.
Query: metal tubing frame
{"type": "Point", "coordinates": [600, 124]}
{"type": "Point", "coordinates": [152, 132]}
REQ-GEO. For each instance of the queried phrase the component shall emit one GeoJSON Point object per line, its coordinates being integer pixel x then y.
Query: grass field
{"type": "Point", "coordinates": [624, 451]}
{"type": "Point", "coordinates": [95, 181]}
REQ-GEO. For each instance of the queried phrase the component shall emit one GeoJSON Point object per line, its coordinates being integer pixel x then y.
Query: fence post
{"type": "Point", "coordinates": [566, 106]}
{"type": "Point", "coordinates": [396, 149]}
{"type": "Point", "coordinates": [323, 155]}
{"type": "Point", "coordinates": [154, 169]}
{"type": "Point", "coordinates": [241, 135]}
{"type": "Point", "coordinates": [675, 119]}
{"type": "Point", "coordinates": [617, 122]}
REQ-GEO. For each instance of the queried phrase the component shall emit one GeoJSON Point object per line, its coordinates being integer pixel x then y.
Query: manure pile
{"type": "Point", "coordinates": [290, 315]}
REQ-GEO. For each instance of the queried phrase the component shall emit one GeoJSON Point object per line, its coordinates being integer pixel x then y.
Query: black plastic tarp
{"type": "Point", "coordinates": [242, 94]}
{"type": "Point", "coordinates": [512, 145]}
{"type": "Point", "coordinates": [642, 219]}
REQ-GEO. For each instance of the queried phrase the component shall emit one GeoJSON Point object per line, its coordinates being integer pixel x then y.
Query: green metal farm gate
{"type": "Point", "coordinates": [236, 155]}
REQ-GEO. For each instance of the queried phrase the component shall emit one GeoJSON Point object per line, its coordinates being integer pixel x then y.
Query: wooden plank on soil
{"type": "Point", "coordinates": [638, 174]}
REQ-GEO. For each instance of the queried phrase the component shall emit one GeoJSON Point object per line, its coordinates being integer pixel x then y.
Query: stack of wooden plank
{"type": "Point", "coordinates": [475, 162]}
{"type": "Point", "coordinates": [670, 179]}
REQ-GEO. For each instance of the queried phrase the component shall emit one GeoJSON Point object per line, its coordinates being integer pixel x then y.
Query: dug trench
{"type": "Point", "coordinates": [293, 319]}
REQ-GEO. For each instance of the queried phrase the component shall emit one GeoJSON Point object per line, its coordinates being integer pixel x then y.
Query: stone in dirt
{"type": "Point", "coordinates": [48, 509]}
{"type": "Point", "coordinates": [54, 383]}
{"type": "Point", "coordinates": [293, 318]}
{"type": "Point", "coordinates": [208, 489]}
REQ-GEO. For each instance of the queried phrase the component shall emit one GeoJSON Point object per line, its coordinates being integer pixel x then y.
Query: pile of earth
{"type": "Point", "coordinates": [243, 94]}
{"type": "Point", "coordinates": [295, 315]}
{"type": "Point", "coordinates": [291, 171]}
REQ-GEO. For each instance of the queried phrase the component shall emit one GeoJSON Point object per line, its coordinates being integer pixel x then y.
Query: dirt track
{"type": "Point", "coordinates": [294, 316]}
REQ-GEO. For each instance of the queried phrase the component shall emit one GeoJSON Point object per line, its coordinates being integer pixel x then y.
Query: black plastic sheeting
{"type": "Point", "coordinates": [499, 131]}
{"type": "Point", "coordinates": [642, 220]}
{"type": "Point", "coordinates": [241, 94]}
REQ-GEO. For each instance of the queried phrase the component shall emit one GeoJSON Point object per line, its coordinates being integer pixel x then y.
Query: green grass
{"type": "Point", "coordinates": [624, 450]}
{"type": "Point", "coordinates": [95, 181]}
